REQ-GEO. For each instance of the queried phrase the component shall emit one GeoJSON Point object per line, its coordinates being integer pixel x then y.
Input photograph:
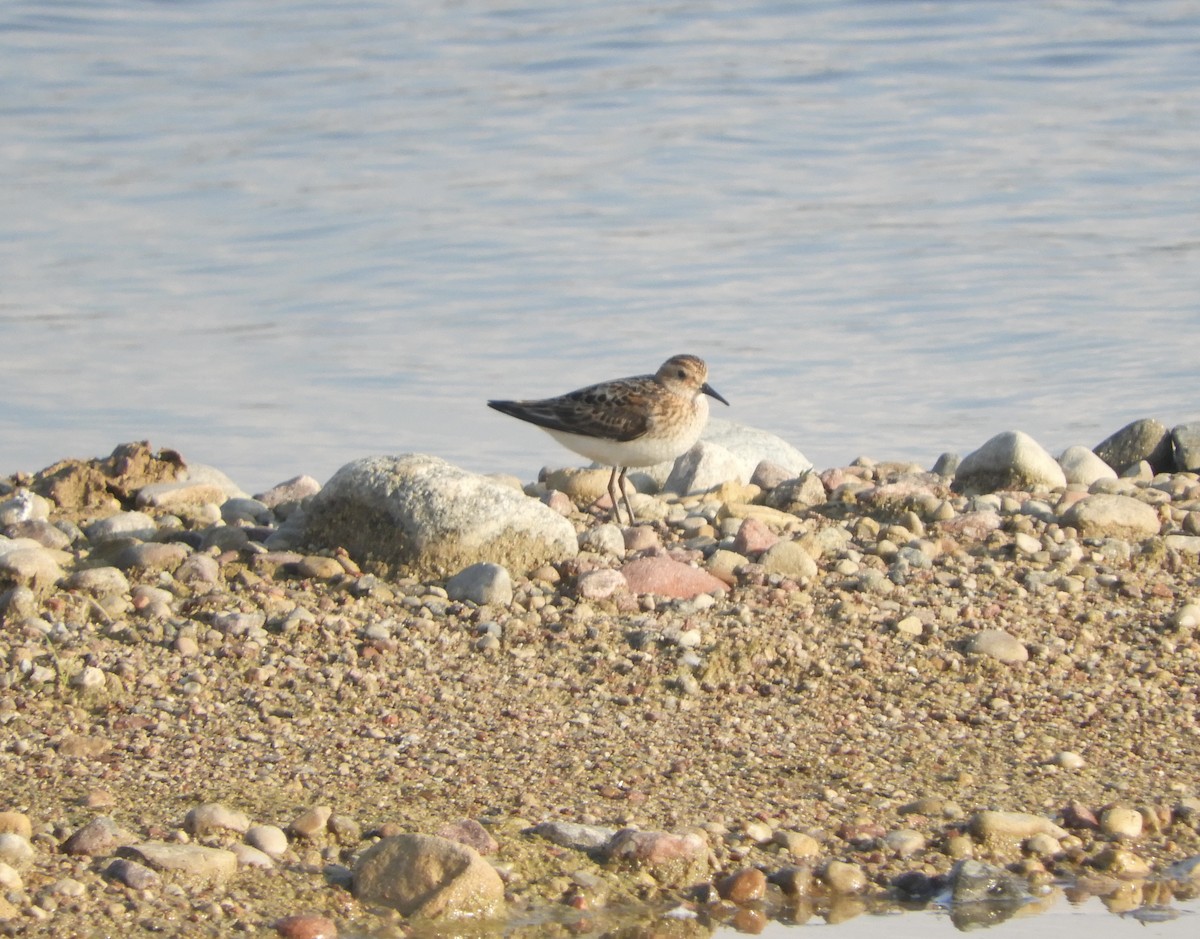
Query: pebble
{"type": "Point", "coordinates": [98, 581]}
{"type": "Point", "coordinates": [753, 537]}
{"type": "Point", "coordinates": [798, 844]}
{"type": "Point", "coordinates": [250, 856]}
{"type": "Point", "coordinates": [747, 885]}
{"type": "Point", "coordinates": [790, 559]}
{"type": "Point", "coordinates": [311, 823]}
{"type": "Point", "coordinates": [137, 525]}
{"type": "Point", "coordinates": [1068, 759]}
{"type": "Point", "coordinates": [152, 556]}
{"type": "Point", "coordinates": [1121, 822]}
{"type": "Point", "coordinates": [10, 878]}
{"type": "Point", "coordinates": [213, 817]}
{"type": "Point", "coordinates": [16, 823]}
{"type": "Point", "coordinates": [606, 540]}
{"type": "Point", "coordinates": [999, 645]}
{"type": "Point", "coordinates": [469, 832]}
{"type": "Point", "coordinates": [132, 874]}
{"type": "Point", "coordinates": [15, 850]}
{"type": "Point", "coordinates": [904, 842]}
{"type": "Point", "coordinates": [600, 584]}
{"type": "Point", "coordinates": [486, 583]}
{"type": "Point", "coordinates": [32, 566]}
{"type": "Point", "coordinates": [843, 878]}
{"type": "Point", "coordinates": [270, 839]}
{"type": "Point", "coordinates": [574, 835]}
{"type": "Point", "coordinates": [1013, 826]}
{"type": "Point", "coordinates": [319, 567]}
{"type": "Point", "coordinates": [293, 490]}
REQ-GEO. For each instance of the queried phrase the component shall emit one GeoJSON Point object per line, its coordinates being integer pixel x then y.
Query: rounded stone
{"type": "Point", "coordinates": [484, 583]}
{"type": "Point", "coordinates": [844, 878]}
{"type": "Point", "coordinates": [999, 645]}
{"type": "Point", "coordinates": [269, 839]}
{"type": "Point", "coordinates": [214, 817]}
{"type": "Point", "coordinates": [1121, 821]}
{"type": "Point", "coordinates": [15, 850]}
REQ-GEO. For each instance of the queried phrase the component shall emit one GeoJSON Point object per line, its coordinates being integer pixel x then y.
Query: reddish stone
{"type": "Point", "coordinates": [744, 886]}
{"type": "Point", "coordinates": [669, 578]}
{"type": "Point", "coordinates": [753, 537]}
{"type": "Point", "coordinates": [469, 832]}
{"type": "Point", "coordinates": [656, 847]}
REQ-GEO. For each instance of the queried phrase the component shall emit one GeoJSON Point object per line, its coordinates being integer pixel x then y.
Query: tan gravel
{"type": "Point", "coordinates": [852, 716]}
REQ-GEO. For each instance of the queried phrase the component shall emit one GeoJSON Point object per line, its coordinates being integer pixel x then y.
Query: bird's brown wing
{"type": "Point", "coordinates": [611, 411]}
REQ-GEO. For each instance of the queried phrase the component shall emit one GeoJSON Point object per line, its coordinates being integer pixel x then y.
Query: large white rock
{"type": "Point", "coordinates": [704, 467]}
{"type": "Point", "coordinates": [424, 514]}
{"type": "Point", "coordinates": [1011, 460]}
{"type": "Point", "coordinates": [1113, 516]}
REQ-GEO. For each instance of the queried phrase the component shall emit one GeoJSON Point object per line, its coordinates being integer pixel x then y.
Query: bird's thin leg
{"type": "Point", "coordinates": [625, 495]}
{"type": "Point", "coordinates": [612, 494]}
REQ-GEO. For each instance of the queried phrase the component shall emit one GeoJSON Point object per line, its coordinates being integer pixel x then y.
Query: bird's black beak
{"type": "Point", "coordinates": [713, 393]}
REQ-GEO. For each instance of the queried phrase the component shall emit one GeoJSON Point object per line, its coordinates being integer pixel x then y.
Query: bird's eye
{"type": "Point", "coordinates": [681, 374]}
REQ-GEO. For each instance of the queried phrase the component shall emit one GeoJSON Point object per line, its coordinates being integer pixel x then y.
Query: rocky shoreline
{"type": "Point", "coordinates": [783, 694]}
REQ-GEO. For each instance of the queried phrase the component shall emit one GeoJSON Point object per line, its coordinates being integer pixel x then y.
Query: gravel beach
{"type": "Point", "coordinates": [787, 696]}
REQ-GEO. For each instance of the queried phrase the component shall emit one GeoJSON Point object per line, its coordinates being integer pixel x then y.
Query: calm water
{"type": "Point", "coordinates": [278, 236]}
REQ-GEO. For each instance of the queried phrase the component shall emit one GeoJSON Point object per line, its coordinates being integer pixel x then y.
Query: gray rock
{"type": "Point", "coordinates": [293, 490]}
{"type": "Point", "coordinates": [704, 467]}
{"type": "Point", "coordinates": [100, 836]}
{"type": "Point", "coordinates": [422, 513]}
{"type": "Point", "coordinates": [1011, 460]}
{"type": "Point", "coordinates": [132, 874]}
{"type": "Point", "coordinates": [41, 531]}
{"type": "Point", "coordinates": [1081, 465]}
{"type": "Point", "coordinates": [975, 882]}
{"type": "Point", "coordinates": [946, 465]}
{"type": "Point", "coordinates": [1186, 441]}
{"type": "Point", "coordinates": [428, 877]}
{"type": "Point", "coordinates": [198, 569]}
{"type": "Point", "coordinates": [188, 861]}
{"type": "Point", "coordinates": [246, 510]}
{"type": "Point", "coordinates": [99, 582]}
{"type": "Point", "coordinates": [482, 583]}
{"type": "Point", "coordinates": [1145, 439]}
{"type": "Point", "coordinates": [152, 556]}
{"type": "Point", "coordinates": [797, 494]}
{"type": "Point", "coordinates": [122, 525]}
{"type": "Point", "coordinates": [999, 645]}
{"type": "Point", "coordinates": [605, 540]}
{"type": "Point", "coordinates": [1112, 516]}
{"type": "Point", "coordinates": [573, 835]}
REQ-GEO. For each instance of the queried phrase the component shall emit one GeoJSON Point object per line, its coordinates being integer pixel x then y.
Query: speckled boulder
{"type": "Point", "coordinates": [423, 514]}
{"type": "Point", "coordinates": [1011, 460]}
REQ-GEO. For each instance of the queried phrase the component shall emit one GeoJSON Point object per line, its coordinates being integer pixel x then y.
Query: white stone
{"type": "Point", "coordinates": [1011, 460]}
{"type": "Point", "coordinates": [422, 513]}
{"type": "Point", "coordinates": [705, 466]}
{"type": "Point", "coordinates": [1081, 465]}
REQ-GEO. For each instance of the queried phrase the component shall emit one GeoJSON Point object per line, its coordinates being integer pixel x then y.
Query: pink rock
{"type": "Point", "coordinates": [600, 584]}
{"type": "Point", "coordinates": [306, 926]}
{"type": "Point", "coordinates": [669, 578]}
{"type": "Point", "coordinates": [469, 832]}
{"type": "Point", "coordinates": [753, 537]}
{"type": "Point", "coordinates": [973, 526]}
{"type": "Point", "coordinates": [656, 847]}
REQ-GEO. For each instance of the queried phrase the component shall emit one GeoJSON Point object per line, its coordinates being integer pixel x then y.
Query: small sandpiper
{"type": "Point", "coordinates": [638, 421]}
